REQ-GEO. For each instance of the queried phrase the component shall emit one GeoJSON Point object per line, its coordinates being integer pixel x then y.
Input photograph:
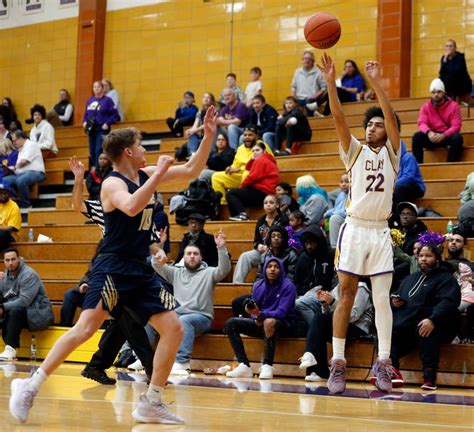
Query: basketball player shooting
{"type": "Point", "coordinates": [120, 274]}
{"type": "Point", "coordinates": [364, 246]}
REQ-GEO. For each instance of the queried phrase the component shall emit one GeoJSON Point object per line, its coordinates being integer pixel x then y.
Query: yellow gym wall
{"type": "Point", "coordinates": [154, 53]}
{"type": "Point", "coordinates": [36, 61]}
{"type": "Point", "coordinates": [435, 21]}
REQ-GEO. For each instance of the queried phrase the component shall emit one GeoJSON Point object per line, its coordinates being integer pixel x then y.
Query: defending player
{"type": "Point", "coordinates": [120, 274]}
{"type": "Point", "coordinates": [364, 246]}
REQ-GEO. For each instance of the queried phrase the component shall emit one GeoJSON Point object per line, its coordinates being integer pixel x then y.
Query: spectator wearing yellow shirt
{"type": "Point", "coordinates": [10, 218]}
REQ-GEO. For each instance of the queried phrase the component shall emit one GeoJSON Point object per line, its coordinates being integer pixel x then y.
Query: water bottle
{"type": "Point", "coordinates": [31, 236]}
{"type": "Point", "coordinates": [33, 349]}
{"type": "Point", "coordinates": [450, 227]}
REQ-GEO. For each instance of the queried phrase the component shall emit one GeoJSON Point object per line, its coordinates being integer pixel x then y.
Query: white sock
{"type": "Point", "coordinates": [338, 348]}
{"type": "Point", "coordinates": [383, 313]}
{"type": "Point", "coordinates": [38, 378]}
{"type": "Point", "coordinates": [155, 393]}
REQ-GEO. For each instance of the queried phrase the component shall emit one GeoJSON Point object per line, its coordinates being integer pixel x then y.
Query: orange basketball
{"type": "Point", "coordinates": [322, 30]}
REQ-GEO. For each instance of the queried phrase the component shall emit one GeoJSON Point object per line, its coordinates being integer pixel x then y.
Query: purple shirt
{"type": "Point", "coordinates": [105, 114]}
{"type": "Point", "coordinates": [240, 111]}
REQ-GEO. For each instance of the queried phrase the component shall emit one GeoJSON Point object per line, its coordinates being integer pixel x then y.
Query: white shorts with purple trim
{"type": "Point", "coordinates": [364, 248]}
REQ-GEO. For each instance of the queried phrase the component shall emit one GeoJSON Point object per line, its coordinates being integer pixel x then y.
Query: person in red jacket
{"type": "Point", "coordinates": [262, 179]}
{"type": "Point", "coordinates": [439, 125]}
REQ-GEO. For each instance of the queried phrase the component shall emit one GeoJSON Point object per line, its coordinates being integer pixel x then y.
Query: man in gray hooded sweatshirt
{"type": "Point", "coordinates": [194, 285]}
{"type": "Point", "coordinates": [19, 286]}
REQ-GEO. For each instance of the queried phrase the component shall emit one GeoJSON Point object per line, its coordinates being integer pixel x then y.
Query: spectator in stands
{"type": "Point", "coordinates": [195, 132]}
{"type": "Point", "coordinates": [264, 117]}
{"type": "Point", "coordinates": [284, 193]}
{"type": "Point", "coordinates": [8, 157]}
{"type": "Point", "coordinates": [409, 185]}
{"type": "Point", "coordinates": [233, 117]}
{"type": "Point", "coordinates": [61, 114]}
{"type": "Point", "coordinates": [112, 93]}
{"type": "Point", "coordinates": [411, 227]}
{"type": "Point", "coordinates": [74, 297]}
{"type": "Point", "coordinates": [263, 176]}
{"type": "Point", "coordinates": [315, 357]}
{"type": "Point", "coordinates": [10, 218]}
{"type": "Point", "coordinates": [251, 259]}
{"type": "Point", "coordinates": [28, 170]}
{"type": "Point", "coordinates": [457, 242]}
{"type": "Point", "coordinates": [97, 175]}
{"type": "Point", "coordinates": [314, 271]}
{"type": "Point", "coordinates": [185, 115]}
{"type": "Point", "coordinates": [19, 286]}
{"type": "Point", "coordinates": [42, 132]}
{"type": "Point", "coordinates": [197, 236]}
{"type": "Point", "coordinates": [453, 72]}
{"type": "Point", "coordinates": [466, 211]}
{"type": "Point", "coordinates": [425, 313]}
{"type": "Point", "coordinates": [292, 126]}
{"type": "Point", "coordinates": [99, 116]}
{"type": "Point", "coordinates": [7, 103]}
{"type": "Point", "coordinates": [277, 246]}
{"type": "Point", "coordinates": [308, 85]}
{"type": "Point", "coordinates": [351, 87]}
{"type": "Point", "coordinates": [412, 260]}
{"type": "Point", "coordinates": [231, 82]}
{"type": "Point", "coordinates": [295, 229]}
{"type": "Point", "coordinates": [254, 87]}
{"type": "Point", "coordinates": [337, 215]}
{"type": "Point", "coordinates": [272, 310]}
{"type": "Point", "coordinates": [313, 200]}
{"type": "Point", "coordinates": [219, 159]}
{"type": "Point", "coordinates": [439, 125]}
{"type": "Point", "coordinates": [4, 131]}
{"type": "Point", "coordinates": [193, 285]}
{"type": "Point", "coordinates": [234, 174]}
{"type": "Point", "coordinates": [15, 125]}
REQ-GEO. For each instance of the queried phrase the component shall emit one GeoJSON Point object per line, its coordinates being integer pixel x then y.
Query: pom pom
{"type": "Point", "coordinates": [431, 238]}
{"type": "Point", "coordinates": [398, 238]}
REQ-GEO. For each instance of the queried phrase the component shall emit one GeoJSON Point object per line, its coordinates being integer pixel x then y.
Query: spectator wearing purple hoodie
{"type": "Point", "coordinates": [272, 311]}
{"type": "Point", "coordinates": [100, 114]}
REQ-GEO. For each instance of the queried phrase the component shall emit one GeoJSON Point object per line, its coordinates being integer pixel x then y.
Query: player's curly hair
{"type": "Point", "coordinates": [376, 111]}
{"type": "Point", "coordinates": [118, 140]}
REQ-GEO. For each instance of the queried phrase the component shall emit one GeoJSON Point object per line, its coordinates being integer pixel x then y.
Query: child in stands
{"type": "Point", "coordinates": [97, 175]}
{"type": "Point", "coordinates": [251, 259]}
{"type": "Point", "coordinates": [284, 193]}
{"type": "Point", "coordinates": [295, 230]}
{"type": "Point", "coordinates": [254, 87]}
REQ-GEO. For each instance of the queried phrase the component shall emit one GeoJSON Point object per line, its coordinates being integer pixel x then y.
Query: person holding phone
{"type": "Point", "coordinates": [425, 315]}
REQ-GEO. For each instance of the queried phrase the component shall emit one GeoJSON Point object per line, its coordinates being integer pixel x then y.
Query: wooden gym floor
{"type": "Point", "coordinates": [68, 402]}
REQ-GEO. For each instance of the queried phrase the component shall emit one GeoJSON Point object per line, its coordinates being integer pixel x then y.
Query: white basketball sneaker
{"type": "Point", "coordinates": [21, 399]}
{"type": "Point", "coordinates": [153, 412]}
{"type": "Point", "coordinates": [241, 371]}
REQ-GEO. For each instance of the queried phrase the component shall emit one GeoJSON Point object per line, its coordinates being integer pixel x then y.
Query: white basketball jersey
{"type": "Point", "coordinates": [372, 174]}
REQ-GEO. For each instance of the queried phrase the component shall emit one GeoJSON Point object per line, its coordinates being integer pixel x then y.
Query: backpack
{"type": "Point", "coordinates": [200, 198]}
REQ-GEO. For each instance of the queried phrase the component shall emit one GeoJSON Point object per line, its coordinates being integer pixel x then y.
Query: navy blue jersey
{"type": "Point", "coordinates": [126, 236]}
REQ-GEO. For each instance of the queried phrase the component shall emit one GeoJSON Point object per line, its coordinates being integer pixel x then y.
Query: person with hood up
{"type": "Point", "coordinates": [409, 185]}
{"type": "Point", "coordinates": [262, 179]}
{"type": "Point", "coordinates": [314, 271]}
{"type": "Point", "coordinates": [425, 314]}
{"type": "Point", "coordinates": [277, 243]}
{"type": "Point", "coordinates": [272, 312]}
{"type": "Point", "coordinates": [194, 285]}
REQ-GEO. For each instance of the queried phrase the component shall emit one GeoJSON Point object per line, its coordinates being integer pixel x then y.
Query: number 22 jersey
{"type": "Point", "coordinates": [372, 173]}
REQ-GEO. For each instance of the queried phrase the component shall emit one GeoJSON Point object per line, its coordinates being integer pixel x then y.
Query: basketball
{"type": "Point", "coordinates": [322, 30]}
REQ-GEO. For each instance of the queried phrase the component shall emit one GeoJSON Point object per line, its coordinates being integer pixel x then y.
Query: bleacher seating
{"type": "Point", "coordinates": [63, 262]}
